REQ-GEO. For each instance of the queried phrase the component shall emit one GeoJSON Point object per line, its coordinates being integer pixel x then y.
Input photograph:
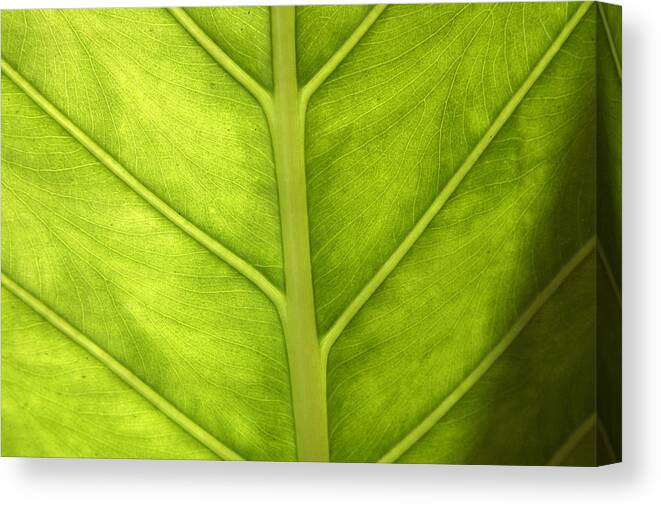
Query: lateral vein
{"type": "Point", "coordinates": [593, 421]}
{"type": "Point", "coordinates": [607, 440]}
{"type": "Point", "coordinates": [609, 271]}
{"type": "Point", "coordinates": [421, 225]}
{"type": "Point", "coordinates": [611, 42]}
{"type": "Point", "coordinates": [120, 371]}
{"type": "Point", "coordinates": [225, 61]}
{"type": "Point", "coordinates": [334, 61]}
{"type": "Point", "coordinates": [222, 252]}
{"type": "Point", "coordinates": [496, 352]}
{"type": "Point", "coordinates": [573, 440]}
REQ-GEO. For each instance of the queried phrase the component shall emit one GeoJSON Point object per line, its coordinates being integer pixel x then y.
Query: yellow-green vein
{"type": "Point", "coordinates": [262, 96]}
{"type": "Point", "coordinates": [611, 42]}
{"type": "Point", "coordinates": [421, 225]}
{"type": "Point", "coordinates": [562, 453]}
{"type": "Point", "coordinates": [469, 381]}
{"type": "Point", "coordinates": [334, 61]}
{"type": "Point", "coordinates": [222, 252]}
{"type": "Point", "coordinates": [609, 272]}
{"type": "Point", "coordinates": [299, 322]}
{"type": "Point", "coordinates": [607, 440]}
{"type": "Point", "coordinates": [120, 371]}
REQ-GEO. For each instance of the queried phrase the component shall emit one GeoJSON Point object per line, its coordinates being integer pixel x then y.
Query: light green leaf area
{"type": "Point", "coordinates": [60, 401]}
{"type": "Point", "coordinates": [346, 233]}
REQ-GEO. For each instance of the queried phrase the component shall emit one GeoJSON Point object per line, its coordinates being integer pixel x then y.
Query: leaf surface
{"type": "Point", "coordinates": [348, 233]}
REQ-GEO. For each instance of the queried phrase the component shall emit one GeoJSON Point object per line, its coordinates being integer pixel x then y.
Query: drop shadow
{"type": "Point", "coordinates": [307, 476]}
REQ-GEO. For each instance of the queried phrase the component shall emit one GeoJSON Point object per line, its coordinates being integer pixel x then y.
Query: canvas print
{"type": "Point", "coordinates": [354, 233]}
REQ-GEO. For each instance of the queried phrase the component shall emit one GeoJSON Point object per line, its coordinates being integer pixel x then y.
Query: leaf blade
{"type": "Point", "coordinates": [423, 198]}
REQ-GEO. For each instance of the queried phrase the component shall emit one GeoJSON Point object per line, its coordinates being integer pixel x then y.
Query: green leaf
{"type": "Point", "coordinates": [347, 233]}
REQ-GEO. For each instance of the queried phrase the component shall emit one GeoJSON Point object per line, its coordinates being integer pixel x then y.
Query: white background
{"type": "Point", "coordinates": [635, 482]}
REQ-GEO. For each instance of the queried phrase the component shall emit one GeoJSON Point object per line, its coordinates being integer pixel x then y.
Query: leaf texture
{"type": "Point", "coordinates": [346, 233]}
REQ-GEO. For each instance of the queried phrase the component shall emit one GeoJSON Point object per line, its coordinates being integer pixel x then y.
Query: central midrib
{"type": "Point", "coordinates": [286, 122]}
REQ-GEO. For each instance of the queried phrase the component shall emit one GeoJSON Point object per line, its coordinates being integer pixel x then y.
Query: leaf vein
{"type": "Point", "coordinates": [611, 42]}
{"type": "Point", "coordinates": [609, 272]}
{"type": "Point", "coordinates": [159, 402]}
{"type": "Point", "coordinates": [469, 381]}
{"type": "Point", "coordinates": [262, 96]}
{"type": "Point", "coordinates": [221, 251]}
{"type": "Point", "coordinates": [573, 440]}
{"type": "Point", "coordinates": [418, 229]}
{"type": "Point", "coordinates": [338, 57]}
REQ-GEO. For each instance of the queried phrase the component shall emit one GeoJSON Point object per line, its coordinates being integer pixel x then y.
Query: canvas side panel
{"type": "Point", "coordinates": [609, 231]}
